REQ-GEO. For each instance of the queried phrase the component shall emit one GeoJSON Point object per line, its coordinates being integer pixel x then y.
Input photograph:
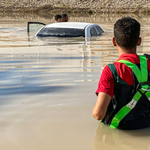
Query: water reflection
{"type": "Point", "coordinates": [114, 139]}
{"type": "Point", "coordinates": [46, 69]}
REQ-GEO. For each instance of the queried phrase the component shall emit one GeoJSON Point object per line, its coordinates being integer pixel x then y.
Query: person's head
{"type": "Point", "coordinates": [126, 33]}
{"type": "Point", "coordinates": [58, 18]}
{"type": "Point", "coordinates": [64, 18]}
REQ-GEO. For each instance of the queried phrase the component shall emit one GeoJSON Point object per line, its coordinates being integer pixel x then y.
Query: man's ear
{"type": "Point", "coordinates": [114, 41]}
{"type": "Point", "coordinates": [139, 41]}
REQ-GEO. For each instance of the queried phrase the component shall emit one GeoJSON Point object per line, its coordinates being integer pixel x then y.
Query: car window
{"type": "Point", "coordinates": [61, 32]}
{"type": "Point", "coordinates": [100, 31]}
{"type": "Point", "coordinates": [93, 32]}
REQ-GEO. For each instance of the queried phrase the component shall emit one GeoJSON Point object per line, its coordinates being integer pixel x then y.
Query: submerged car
{"type": "Point", "coordinates": [65, 29]}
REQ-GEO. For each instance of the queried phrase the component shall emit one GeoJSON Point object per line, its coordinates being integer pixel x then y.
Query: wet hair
{"type": "Point", "coordinates": [64, 15]}
{"type": "Point", "coordinates": [126, 32]}
{"type": "Point", "coordinates": [58, 17]}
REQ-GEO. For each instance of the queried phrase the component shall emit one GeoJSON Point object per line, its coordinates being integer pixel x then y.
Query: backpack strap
{"type": "Point", "coordinates": [148, 56]}
{"type": "Point", "coordinates": [117, 79]}
{"type": "Point", "coordinates": [142, 76]}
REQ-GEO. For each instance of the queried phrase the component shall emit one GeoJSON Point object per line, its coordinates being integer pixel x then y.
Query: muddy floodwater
{"type": "Point", "coordinates": [47, 88]}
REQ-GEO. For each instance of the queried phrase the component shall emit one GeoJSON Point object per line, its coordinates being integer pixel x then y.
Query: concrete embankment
{"type": "Point", "coordinates": [90, 6]}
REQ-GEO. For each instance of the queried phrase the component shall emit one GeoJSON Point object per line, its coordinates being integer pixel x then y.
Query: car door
{"type": "Point", "coordinates": [34, 27]}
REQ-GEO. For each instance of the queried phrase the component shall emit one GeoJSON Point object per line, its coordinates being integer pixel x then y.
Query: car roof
{"type": "Point", "coordinates": [78, 25]}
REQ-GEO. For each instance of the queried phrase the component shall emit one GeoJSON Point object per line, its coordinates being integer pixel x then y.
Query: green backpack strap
{"type": "Point", "coordinates": [125, 110]}
{"type": "Point", "coordinates": [142, 77]}
{"type": "Point", "coordinates": [148, 56]}
{"type": "Point", "coordinates": [114, 71]}
{"type": "Point", "coordinates": [115, 74]}
{"type": "Point", "coordinates": [148, 95]}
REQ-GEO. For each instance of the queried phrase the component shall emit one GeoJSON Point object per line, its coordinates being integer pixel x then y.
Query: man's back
{"type": "Point", "coordinates": [124, 72]}
{"type": "Point", "coordinates": [124, 87]}
{"type": "Point", "coordinates": [122, 82]}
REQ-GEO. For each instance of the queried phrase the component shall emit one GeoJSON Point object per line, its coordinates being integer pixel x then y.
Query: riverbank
{"type": "Point", "coordinates": [76, 6]}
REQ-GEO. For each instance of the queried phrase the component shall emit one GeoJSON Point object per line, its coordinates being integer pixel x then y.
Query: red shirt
{"type": "Point", "coordinates": [106, 82]}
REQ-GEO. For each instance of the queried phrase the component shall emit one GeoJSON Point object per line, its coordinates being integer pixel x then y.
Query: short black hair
{"type": "Point", "coordinates": [58, 17]}
{"type": "Point", "coordinates": [127, 32]}
{"type": "Point", "coordinates": [64, 15]}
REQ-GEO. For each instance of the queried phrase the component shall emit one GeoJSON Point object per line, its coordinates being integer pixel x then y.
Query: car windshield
{"type": "Point", "coordinates": [61, 32]}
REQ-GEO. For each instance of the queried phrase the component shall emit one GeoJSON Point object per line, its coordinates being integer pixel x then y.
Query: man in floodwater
{"type": "Point", "coordinates": [58, 18]}
{"type": "Point", "coordinates": [124, 87]}
{"type": "Point", "coordinates": [64, 18]}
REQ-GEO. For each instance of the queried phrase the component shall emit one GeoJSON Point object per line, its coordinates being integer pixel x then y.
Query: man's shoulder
{"type": "Point", "coordinates": [147, 54]}
{"type": "Point", "coordinates": [107, 71]}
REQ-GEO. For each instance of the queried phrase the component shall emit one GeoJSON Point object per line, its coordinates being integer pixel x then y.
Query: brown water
{"type": "Point", "coordinates": [47, 88]}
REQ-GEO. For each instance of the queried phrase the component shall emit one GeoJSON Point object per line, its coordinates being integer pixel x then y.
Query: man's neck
{"type": "Point", "coordinates": [126, 51]}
